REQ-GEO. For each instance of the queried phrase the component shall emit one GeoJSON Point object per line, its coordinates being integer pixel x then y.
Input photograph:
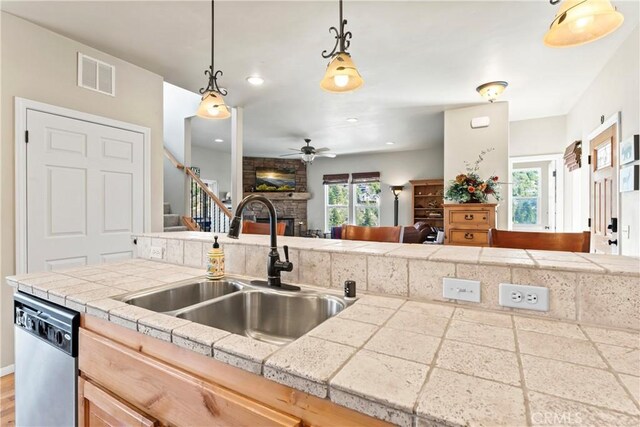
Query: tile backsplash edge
{"type": "Point", "coordinates": [595, 297]}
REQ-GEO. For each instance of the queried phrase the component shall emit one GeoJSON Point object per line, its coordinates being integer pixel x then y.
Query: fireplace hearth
{"type": "Point", "coordinates": [290, 224]}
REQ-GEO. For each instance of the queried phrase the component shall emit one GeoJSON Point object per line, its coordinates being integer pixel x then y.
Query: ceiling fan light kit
{"type": "Point", "coordinates": [308, 153]}
{"type": "Point", "coordinates": [492, 90]}
{"type": "Point", "coordinates": [341, 74]}
{"type": "Point", "coordinates": [582, 21]}
{"type": "Point", "coordinates": [212, 104]}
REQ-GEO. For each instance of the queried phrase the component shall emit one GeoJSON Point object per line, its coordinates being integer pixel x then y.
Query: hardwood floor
{"type": "Point", "coordinates": [7, 401]}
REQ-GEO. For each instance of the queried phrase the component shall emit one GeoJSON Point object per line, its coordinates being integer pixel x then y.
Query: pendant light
{"type": "Point", "coordinates": [212, 105]}
{"type": "Point", "coordinates": [582, 21]}
{"type": "Point", "coordinates": [341, 74]}
{"type": "Point", "coordinates": [492, 90]}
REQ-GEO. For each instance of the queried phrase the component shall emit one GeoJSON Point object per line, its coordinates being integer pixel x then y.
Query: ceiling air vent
{"type": "Point", "coordinates": [96, 75]}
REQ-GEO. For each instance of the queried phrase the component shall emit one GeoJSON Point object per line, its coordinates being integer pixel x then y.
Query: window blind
{"type": "Point", "coordinates": [339, 178]}
{"type": "Point", "coordinates": [364, 177]}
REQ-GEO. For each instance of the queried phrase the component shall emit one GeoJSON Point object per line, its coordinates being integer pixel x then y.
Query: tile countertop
{"type": "Point", "coordinates": [406, 362]}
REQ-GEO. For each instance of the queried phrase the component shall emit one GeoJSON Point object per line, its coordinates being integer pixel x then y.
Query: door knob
{"type": "Point", "coordinates": [613, 242]}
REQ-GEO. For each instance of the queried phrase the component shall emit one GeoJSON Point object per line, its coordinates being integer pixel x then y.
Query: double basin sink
{"type": "Point", "coordinates": [237, 306]}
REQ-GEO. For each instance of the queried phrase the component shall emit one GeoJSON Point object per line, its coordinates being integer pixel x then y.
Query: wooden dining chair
{"type": "Point", "coordinates": [249, 227]}
{"type": "Point", "coordinates": [372, 234]}
{"type": "Point", "coordinates": [570, 242]}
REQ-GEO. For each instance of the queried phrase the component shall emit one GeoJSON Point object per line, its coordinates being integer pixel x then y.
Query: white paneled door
{"type": "Point", "coordinates": [85, 192]}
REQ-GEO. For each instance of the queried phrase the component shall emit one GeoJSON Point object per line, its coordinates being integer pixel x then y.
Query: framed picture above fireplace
{"type": "Point", "coordinates": [272, 179]}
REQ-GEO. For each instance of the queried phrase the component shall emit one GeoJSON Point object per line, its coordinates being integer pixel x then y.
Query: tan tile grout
{"type": "Point", "coordinates": [602, 408]}
{"type": "Point", "coordinates": [432, 365]}
{"type": "Point", "coordinates": [615, 373]}
{"type": "Point", "coordinates": [339, 369]}
{"type": "Point", "coordinates": [523, 384]}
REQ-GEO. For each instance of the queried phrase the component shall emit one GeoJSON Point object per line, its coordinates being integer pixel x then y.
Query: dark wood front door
{"type": "Point", "coordinates": [604, 190]}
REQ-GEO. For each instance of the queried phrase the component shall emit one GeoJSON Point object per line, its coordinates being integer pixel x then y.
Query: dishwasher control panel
{"type": "Point", "coordinates": [56, 325]}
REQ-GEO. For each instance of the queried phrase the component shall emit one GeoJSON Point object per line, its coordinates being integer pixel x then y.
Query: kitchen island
{"type": "Point", "coordinates": [386, 358]}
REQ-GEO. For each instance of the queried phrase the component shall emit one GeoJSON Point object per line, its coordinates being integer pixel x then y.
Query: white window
{"type": "Point", "coordinates": [356, 203]}
{"type": "Point", "coordinates": [366, 204]}
{"type": "Point", "coordinates": [526, 197]}
{"type": "Point", "coordinates": [336, 203]}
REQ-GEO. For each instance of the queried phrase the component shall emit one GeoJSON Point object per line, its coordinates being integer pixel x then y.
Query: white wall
{"type": "Point", "coordinates": [215, 165]}
{"type": "Point", "coordinates": [538, 136]}
{"type": "Point", "coordinates": [179, 104]}
{"type": "Point", "coordinates": [461, 143]}
{"type": "Point", "coordinates": [616, 88]}
{"type": "Point", "coordinates": [396, 168]}
{"type": "Point", "coordinates": [41, 65]}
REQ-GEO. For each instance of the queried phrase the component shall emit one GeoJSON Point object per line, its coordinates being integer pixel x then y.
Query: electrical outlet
{"type": "Point", "coordinates": [461, 289]}
{"type": "Point", "coordinates": [525, 297]}
{"type": "Point", "coordinates": [156, 252]}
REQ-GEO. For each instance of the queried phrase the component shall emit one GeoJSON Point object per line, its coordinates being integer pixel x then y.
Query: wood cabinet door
{"type": "Point", "coordinates": [169, 394]}
{"type": "Point", "coordinates": [98, 408]}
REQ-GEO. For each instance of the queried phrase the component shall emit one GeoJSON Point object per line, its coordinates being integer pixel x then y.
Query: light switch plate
{"type": "Point", "coordinates": [156, 252]}
{"type": "Point", "coordinates": [461, 289]}
{"type": "Point", "coordinates": [524, 296]}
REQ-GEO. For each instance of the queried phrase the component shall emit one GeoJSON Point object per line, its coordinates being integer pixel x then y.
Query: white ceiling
{"type": "Point", "coordinates": [417, 58]}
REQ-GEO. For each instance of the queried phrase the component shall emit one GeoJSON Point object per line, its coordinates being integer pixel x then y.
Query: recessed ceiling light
{"type": "Point", "coordinates": [352, 119]}
{"type": "Point", "coordinates": [389, 142]}
{"type": "Point", "coordinates": [218, 140]}
{"type": "Point", "coordinates": [255, 80]}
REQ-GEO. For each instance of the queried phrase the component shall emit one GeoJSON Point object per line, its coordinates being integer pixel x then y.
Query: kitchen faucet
{"type": "Point", "coordinates": [274, 265]}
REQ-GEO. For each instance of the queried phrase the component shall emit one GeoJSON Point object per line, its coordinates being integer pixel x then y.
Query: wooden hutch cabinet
{"type": "Point", "coordinates": [427, 199]}
{"type": "Point", "coordinates": [469, 223]}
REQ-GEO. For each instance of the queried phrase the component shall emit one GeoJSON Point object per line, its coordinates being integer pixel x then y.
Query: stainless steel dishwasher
{"type": "Point", "coordinates": [46, 365]}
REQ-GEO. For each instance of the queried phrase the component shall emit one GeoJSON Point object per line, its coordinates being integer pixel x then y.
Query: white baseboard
{"type": "Point", "coordinates": [6, 370]}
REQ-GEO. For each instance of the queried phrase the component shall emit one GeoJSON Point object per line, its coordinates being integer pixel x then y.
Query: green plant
{"type": "Point", "coordinates": [470, 187]}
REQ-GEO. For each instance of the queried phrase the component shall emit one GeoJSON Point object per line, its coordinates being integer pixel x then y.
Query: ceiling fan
{"type": "Point", "coordinates": [308, 152]}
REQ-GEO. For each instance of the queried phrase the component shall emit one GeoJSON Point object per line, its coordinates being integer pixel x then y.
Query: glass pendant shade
{"type": "Point", "coordinates": [212, 106]}
{"type": "Point", "coordinates": [582, 21]}
{"type": "Point", "coordinates": [341, 75]}
{"type": "Point", "coordinates": [492, 90]}
{"type": "Point", "coordinates": [308, 158]}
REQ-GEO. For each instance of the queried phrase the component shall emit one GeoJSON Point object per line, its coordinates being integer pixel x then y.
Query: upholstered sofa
{"type": "Point", "coordinates": [416, 233]}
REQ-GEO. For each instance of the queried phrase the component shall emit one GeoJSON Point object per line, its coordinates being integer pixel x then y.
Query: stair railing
{"type": "Point", "coordinates": [207, 211]}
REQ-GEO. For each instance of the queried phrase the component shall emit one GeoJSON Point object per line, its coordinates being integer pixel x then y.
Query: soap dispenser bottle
{"type": "Point", "coordinates": [215, 262]}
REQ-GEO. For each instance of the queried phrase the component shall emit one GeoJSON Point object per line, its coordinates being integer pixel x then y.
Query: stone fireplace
{"type": "Point", "coordinates": [291, 207]}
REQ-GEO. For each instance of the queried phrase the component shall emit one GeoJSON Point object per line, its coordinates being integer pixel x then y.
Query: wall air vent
{"type": "Point", "coordinates": [480, 122]}
{"type": "Point", "coordinates": [96, 75]}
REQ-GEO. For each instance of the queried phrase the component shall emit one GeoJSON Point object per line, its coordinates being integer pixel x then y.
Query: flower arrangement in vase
{"type": "Point", "coordinates": [470, 187]}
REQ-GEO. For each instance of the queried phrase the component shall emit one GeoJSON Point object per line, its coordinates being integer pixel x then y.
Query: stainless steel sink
{"type": "Point", "coordinates": [242, 307]}
{"type": "Point", "coordinates": [176, 296]}
{"type": "Point", "coordinates": [266, 315]}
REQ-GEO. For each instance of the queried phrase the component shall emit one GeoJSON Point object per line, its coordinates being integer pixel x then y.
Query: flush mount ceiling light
{"type": "Point", "coordinates": [218, 140]}
{"type": "Point", "coordinates": [352, 119]}
{"type": "Point", "coordinates": [389, 142]}
{"type": "Point", "coordinates": [212, 105]}
{"type": "Point", "coordinates": [582, 21]}
{"type": "Point", "coordinates": [342, 74]}
{"type": "Point", "coordinates": [255, 80]}
{"type": "Point", "coordinates": [492, 90]}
